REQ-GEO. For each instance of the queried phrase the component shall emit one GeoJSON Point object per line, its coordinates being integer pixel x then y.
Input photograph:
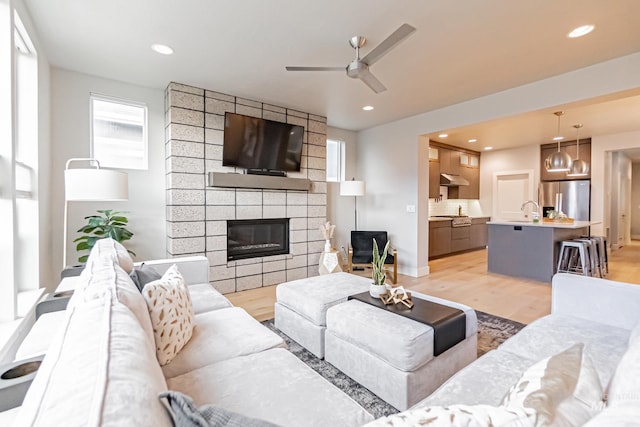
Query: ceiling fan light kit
{"type": "Point", "coordinates": [359, 68]}
{"type": "Point", "coordinates": [560, 161]}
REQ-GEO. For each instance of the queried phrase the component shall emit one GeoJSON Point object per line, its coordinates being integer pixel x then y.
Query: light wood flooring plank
{"type": "Point", "coordinates": [464, 278]}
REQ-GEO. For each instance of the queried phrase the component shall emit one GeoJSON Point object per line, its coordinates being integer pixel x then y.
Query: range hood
{"type": "Point", "coordinates": [451, 180]}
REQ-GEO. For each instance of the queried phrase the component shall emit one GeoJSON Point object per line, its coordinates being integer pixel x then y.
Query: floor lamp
{"type": "Point", "coordinates": [353, 188]}
{"type": "Point", "coordinates": [91, 185]}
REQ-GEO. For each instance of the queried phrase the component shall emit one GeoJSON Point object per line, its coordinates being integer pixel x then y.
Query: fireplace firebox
{"type": "Point", "coordinates": [251, 238]}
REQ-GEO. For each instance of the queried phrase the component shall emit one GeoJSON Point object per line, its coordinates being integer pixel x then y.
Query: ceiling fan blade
{"type": "Point", "coordinates": [371, 81]}
{"type": "Point", "coordinates": [389, 43]}
{"type": "Point", "coordinates": [314, 68]}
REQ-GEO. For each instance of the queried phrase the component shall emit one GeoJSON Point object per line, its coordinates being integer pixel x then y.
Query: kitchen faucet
{"type": "Point", "coordinates": [536, 214]}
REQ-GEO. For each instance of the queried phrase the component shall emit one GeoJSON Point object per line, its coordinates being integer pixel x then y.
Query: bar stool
{"type": "Point", "coordinates": [574, 258]}
{"type": "Point", "coordinates": [602, 252]}
{"type": "Point", "coordinates": [593, 256]}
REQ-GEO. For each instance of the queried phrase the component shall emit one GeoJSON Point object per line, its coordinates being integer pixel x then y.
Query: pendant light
{"type": "Point", "coordinates": [578, 167]}
{"type": "Point", "coordinates": [560, 161]}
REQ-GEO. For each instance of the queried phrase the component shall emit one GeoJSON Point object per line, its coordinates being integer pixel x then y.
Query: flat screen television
{"type": "Point", "coordinates": [259, 144]}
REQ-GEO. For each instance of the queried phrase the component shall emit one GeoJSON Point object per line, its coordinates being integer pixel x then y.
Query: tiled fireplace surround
{"type": "Point", "coordinates": [197, 213]}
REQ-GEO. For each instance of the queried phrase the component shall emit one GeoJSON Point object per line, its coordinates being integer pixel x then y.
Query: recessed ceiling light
{"type": "Point", "coordinates": [161, 48]}
{"type": "Point", "coordinates": [580, 31]}
{"type": "Point", "coordinates": [367, 108]}
{"type": "Point", "coordinates": [488, 148]}
{"type": "Point", "coordinates": [443, 135]}
{"type": "Point", "coordinates": [473, 140]}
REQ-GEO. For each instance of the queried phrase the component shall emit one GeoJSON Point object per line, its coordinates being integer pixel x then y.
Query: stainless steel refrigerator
{"type": "Point", "coordinates": [575, 198]}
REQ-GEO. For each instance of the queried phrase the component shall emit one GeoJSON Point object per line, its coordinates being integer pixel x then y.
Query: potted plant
{"type": "Point", "coordinates": [109, 224]}
{"type": "Point", "coordinates": [378, 288]}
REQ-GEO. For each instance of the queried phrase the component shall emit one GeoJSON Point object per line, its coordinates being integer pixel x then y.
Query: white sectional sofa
{"type": "Point", "coordinates": [604, 315]}
{"type": "Point", "coordinates": [101, 366]}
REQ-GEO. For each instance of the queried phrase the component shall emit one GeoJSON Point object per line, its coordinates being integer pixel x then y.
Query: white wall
{"type": "Point", "coordinates": [520, 158]}
{"type": "Point", "coordinates": [601, 176]}
{"type": "Point", "coordinates": [70, 138]}
{"type": "Point", "coordinates": [388, 154]}
{"type": "Point", "coordinates": [635, 201]}
{"type": "Point", "coordinates": [340, 208]}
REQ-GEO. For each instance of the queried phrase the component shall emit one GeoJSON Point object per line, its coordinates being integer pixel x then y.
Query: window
{"type": "Point", "coordinates": [19, 170]}
{"type": "Point", "coordinates": [335, 160]}
{"type": "Point", "coordinates": [118, 133]}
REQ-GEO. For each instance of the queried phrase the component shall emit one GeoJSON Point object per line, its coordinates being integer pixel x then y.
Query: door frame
{"type": "Point", "coordinates": [500, 174]}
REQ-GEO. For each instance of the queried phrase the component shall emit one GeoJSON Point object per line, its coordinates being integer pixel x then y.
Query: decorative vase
{"type": "Point", "coordinates": [327, 245]}
{"type": "Point", "coordinates": [376, 290]}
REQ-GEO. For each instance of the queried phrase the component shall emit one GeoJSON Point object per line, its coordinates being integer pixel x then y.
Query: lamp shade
{"type": "Point", "coordinates": [95, 185]}
{"type": "Point", "coordinates": [352, 188]}
{"type": "Point", "coordinates": [560, 161]}
{"type": "Point", "coordinates": [578, 168]}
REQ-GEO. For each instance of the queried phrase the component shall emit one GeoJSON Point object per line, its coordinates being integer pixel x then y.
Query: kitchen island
{"type": "Point", "coordinates": [529, 250]}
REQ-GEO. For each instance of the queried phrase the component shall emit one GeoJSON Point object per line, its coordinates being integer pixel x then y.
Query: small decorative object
{"type": "Point", "coordinates": [397, 295]}
{"type": "Point", "coordinates": [109, 224]}
{"type": "Point", "coordinates": [378, 288]}
{"type": "Point", "coordinates": [327, 232]}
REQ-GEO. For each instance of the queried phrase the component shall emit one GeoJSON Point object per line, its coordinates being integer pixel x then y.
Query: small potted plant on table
{"type": "Point", "coordinates": [378, 287]}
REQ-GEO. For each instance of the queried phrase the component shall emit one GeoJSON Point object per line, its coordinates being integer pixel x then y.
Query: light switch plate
{"type": "Point", "coordinates": [411, 208]}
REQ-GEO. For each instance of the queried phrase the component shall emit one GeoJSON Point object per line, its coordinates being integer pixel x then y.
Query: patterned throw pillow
{"type": "Point", "coordinates": [171, 313]}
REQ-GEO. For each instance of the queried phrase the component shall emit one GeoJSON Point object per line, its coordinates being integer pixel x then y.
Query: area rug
{"type": "Point", "coordinates": [492, 331]}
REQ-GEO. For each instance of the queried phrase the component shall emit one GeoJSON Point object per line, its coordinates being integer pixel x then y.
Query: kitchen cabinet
{"type": "Point", "coordinates": [460, 239]}
{"type": "Point", "coordinates": [445, 240]}
{"type": "Point", "coordinates": [434, 179]}
{"type": "Point", "coordinates": [570, 147]}
{"type": "Point", "coordinates": [439, 238]}
{"type": "Point", "coordinates": [478, 232]}
{"type": "Point", "coordinates": [471, 174]}
{"type": "Point", "coordinates": [450, 160]}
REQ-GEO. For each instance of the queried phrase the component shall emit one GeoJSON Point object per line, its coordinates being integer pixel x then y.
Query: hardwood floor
{"type": "Point", "coordinates": [464, 278]}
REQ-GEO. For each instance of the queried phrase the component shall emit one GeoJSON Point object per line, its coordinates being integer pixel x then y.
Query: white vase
{"type": "Point", "coordinates": [376, 290]}
{"type": "Point", "coordinates": [327, 245]}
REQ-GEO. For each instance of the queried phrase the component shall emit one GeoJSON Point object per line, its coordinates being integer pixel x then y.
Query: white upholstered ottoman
{"type": "Point", "coordinates": [301, 306]}
{"type": "Point", "coordinates": [391, 355]}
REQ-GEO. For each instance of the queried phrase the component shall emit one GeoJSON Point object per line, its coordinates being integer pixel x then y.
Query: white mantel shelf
{"type": "Point", "coordinates": [236, 180]}
{"type": "Point", "coordinates": [541, 224]}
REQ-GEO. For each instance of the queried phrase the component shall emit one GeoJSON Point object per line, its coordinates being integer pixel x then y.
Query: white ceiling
{"type": "Point", "coordinates": [461, 50]}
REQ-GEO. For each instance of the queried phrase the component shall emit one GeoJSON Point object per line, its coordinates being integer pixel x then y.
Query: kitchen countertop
{"type": "Point", "coordinates": [439, 218]}
{"type": "Point", "coordinates": [574, 225]}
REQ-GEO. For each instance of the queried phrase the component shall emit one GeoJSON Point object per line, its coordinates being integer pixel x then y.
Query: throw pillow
{"type": "Point", "coordinates": [186, 414]}
{"type": "Point", "coordinates": [545, 385]}
{"type": "Point", "coordinates": [459, 416]}
{"type": "Point", "coordinates": [171, 313]}
{"type": "Point", "coordinates": [142, 275]}
{"type": "Point", "coordinates": [624, 387]}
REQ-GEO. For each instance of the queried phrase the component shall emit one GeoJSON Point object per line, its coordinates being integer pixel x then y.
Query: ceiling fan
{"type": "Point", "coordinates": [359, 68]}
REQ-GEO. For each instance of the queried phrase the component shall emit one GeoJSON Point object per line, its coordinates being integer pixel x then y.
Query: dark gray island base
{"type": "Point", "coordinates": [528, 250]}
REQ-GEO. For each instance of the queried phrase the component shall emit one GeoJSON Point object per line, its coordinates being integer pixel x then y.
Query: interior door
{"type": "Point", "coordinates": [510, 190]}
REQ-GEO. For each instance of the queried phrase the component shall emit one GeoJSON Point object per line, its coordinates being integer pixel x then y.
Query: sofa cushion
{"type": "Point", "coordinates": [563, 389]}
{"type": "Point", "coordinates": [219, 335]}
{"type": "Point", "coordinates": [141, 275]}
{"type": "Point", "coordinates": [119, 253]}
{"type": "Point", "coordinates": [551, 334]}
{"type": "Point", "coordinates": [185, 413]}
{"type": "Point", "coordinates": [171, 314]}
{"type": "Point", "coordinates": [205, 298]}
{"type": "Point", "coordinates": [312, 297]}
{"type": "Point", "coordinates": [458, 416]}
{"type": "Point", "coordinates": [97, 372]}
{"type": "Point", "coordinates": [39, 337]}
{"type": "Point", "coordinates": [469, 385]}
{"type": "Point", "coordinates": [272, 385]}
{"type": "Point", "coordinates": [104, 275]}
{"type": "Point", "coordinates": [625, 384]}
